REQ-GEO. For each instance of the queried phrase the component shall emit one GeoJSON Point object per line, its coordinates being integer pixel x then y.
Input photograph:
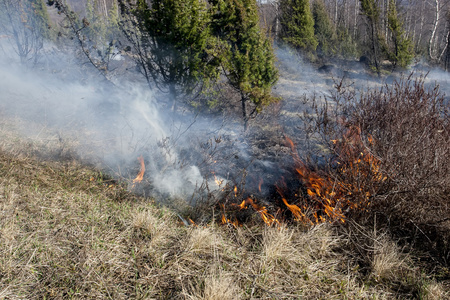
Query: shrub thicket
{"type": "Point", "coordinates": [392, 147]}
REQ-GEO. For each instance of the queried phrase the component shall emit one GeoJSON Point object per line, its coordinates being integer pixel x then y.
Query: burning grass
{"type": "Point", "coordinates": [66, 231]}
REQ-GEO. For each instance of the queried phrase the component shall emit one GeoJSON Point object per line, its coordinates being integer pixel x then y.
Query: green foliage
{"type": "Point", "coordinates": [96, 26]}
{"type": "Point", "coordinates": [370, 9]}
{"type": "Point", "coordinates": [346, 46]}
{"type": "Point", "coordinates": [113, 29]}
{"type": "Point", "coordinates": [297, 25]}
{"type": "Point", "coordinates": [246, 53]}
{"type": "Point", "coordinates": [400, 50]}
{"type": "Point", "coordinates": [39, 9]}
{"type": "Point", "coordinates": [101, 31]}
{"type": "Point", "coordinates": [179, 43]}
{"type": "Point", "coordinates": [172, 39]}
{"type": "Point", "coordinates": [323, 29]}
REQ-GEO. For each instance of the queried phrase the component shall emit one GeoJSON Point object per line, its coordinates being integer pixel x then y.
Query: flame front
{"type": "Point", "coordinates": [332, 195]}
{"type": "Point", "coordinates": [352, 180]}
{"type": "Point", "coordinates": [140, 175]}
{"type": "Point", "coordinates": [296, 211]}
{"type": "Point", "coordinates": [262, 210]}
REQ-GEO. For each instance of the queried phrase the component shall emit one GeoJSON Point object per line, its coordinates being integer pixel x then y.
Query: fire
{"type": "Point", "coordinates": [327, 195]}
{"type": "Point", "coordinates": [260, 184]}
{"type": "Point", "coordinates": [191, 222]}
{"type": "Point", "coordinates": [262, 210]}
{"type": "Point", "coordinates": [225, 220]}
{"type": "Point", "coordinates": [331, 196]}
{"type": "Point", "coordinates": [140, 175]}
{"type": "Point", "coordinates": [296, 211]}
{"type": "Point", "coordinates": [268, 218]}
{"type": "Point", "coordinates": [219, 182]}
{"type": "Point", "coordinates": [235, 223]}
{"type": "Point", "coordinates": [243, 205]}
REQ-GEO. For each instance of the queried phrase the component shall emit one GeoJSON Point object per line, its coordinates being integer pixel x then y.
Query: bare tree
{"type": "Point", "coordinates": [431, 51]}
{"type": "Point", "coordinates": [24, 28]}
{"type": "Point", "coordinates": [437, 42]}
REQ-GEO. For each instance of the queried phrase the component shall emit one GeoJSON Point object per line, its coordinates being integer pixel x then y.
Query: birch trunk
{"type": "Point", "coordinates": [433, 31]}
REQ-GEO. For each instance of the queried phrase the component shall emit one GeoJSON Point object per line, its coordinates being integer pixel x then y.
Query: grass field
{"type": "Point", "coordinates": [67, 231]}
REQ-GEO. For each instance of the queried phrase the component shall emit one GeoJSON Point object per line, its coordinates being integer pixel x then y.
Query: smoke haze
{"type": "Point", "coordinates": [106, 125]}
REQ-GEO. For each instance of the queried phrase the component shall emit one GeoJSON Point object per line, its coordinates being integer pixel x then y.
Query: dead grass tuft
{"type": "Point", "coordinates": [387, 262]}
{"type": "Point", "coordinates": [153, 224]}
{"type": "Point", "coordinates": [217, 286]}
{"type": "Point", "coordinates": [435, 291]}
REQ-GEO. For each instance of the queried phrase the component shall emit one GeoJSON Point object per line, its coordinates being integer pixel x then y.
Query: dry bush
{"type": "Point", "coordinates": [410, 126]}
{"type": "Point", "coordinates": [435, 291]}
{"type": "Point", "coordinates": [216, 286]}
{"type": "Point", "coordinates": [389, 148]}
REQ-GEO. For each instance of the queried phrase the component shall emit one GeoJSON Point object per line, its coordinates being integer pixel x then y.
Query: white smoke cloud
{"type": "Point", "coordinates": [110, 126]}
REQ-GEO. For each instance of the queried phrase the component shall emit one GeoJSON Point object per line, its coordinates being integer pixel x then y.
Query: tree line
{"type": "Point", "coordinates": [394, 30]}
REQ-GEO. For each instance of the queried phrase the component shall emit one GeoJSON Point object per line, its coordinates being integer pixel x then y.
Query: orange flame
{"type": "Point", "coordinates": [191, 222]}
{"type": "Point", "coordinates": [327, 196]}
{"type": "Point", "coordinates": [333, 195]}
{"type": "Point", "coordinates": [235, 223]}
{"type": "Point", "coordinates": [260, 184]}
{"type": "Point", "coordinates": [216, 180]}
{"type": "Point", "coordinates": [243, 205]}
{"type": "Point", "coordinates": [262, 210]}
{"type": "Point", "coordinates": [296, 211]}
{"type": "Point", "coordinates": [140, 175]}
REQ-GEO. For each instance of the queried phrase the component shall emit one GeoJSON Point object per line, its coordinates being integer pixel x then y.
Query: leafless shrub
{"type": "Point", "coordinates": [405, 129]}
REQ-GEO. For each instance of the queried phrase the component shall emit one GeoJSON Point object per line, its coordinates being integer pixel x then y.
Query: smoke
{"type": "Point", "coordinates": [106, 125]}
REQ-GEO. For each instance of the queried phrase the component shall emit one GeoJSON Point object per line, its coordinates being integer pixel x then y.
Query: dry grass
{"type": "Point", "coordinates": [387, 262]}
{"type": "Point", "coordinates": [67, 232]}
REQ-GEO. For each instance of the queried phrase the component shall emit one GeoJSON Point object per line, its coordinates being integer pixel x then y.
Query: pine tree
{"type": "Point", "coordinates": [96, 25]}
{"type": "Point", "coordinates": [102, 30]}
{"type": "Point", "coordinates": [400, 52]}
{"type": "Point", "coordinates": [370, 9]}
{"type": "Point", "coordinates": [297, 25]}
{"type": "Point", "coordinates": [323, 29]}
{"type": "Point", "coordinates": [39, 8]}
{"type": "Point", "coordinates": [171, 40]}
{"type": "Point", "coordinates": [113, 29]}
{"type": "Point", "coordinates": [247, 55]}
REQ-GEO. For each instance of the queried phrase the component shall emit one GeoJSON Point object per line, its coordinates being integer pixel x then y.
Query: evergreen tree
{"type": "Point", "coordinates": [170, 39]}
{"type": "Point", "coordinates": [113, 29]}
{"type": "Point", "coordinates": [297, 25]}
{"type": "Point", "coordinates": [400, 52]}
{"type": "Point", "coordinates": [247, 55]}
{"type": "Point", "coordinates": [345, 44]}
{"type": "Point", "coordinates": [323, 29]}
{"type": "Point", "coordinates": [370, 9]}
{"type": "Point", "coordinates": [39, 9]}
{"type": "Point", "coordinates": [102, 31]}
{"type": "Point", "coordinates": [96, 25]}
